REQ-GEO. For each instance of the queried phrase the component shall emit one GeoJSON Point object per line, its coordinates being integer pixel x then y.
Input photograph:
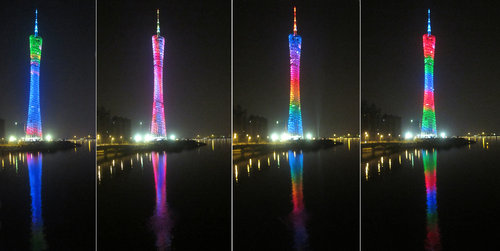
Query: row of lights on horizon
{"type": "Point", "coordinates": [282, 137]}
{"type": "Point", "coordinates": [47, 138]}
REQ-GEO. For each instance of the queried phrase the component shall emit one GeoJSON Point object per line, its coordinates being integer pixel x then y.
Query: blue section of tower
{"type": "Point", "coordinates": [295, 115]}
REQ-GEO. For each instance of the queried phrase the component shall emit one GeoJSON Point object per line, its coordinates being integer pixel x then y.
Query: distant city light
{"type": "Point", "coordinates": [443, 135]}
{"type": "Point", "coordinates": [148, 137]}
{"type": "Point", "coordinates": [48, 137]}
{"type": "Point", "coordinates": [172, 137]}
{"type": "Point", "coordinates": [12, 138]}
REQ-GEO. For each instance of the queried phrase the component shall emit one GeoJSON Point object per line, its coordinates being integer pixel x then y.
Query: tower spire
{"type": "Point", "coordinates": [294, 21]}
{"type": "Point", "coordinates": [36, 22]}
{"type": "Point", "coordinates": [158, 22]}
{"type": "Point", "coordinates": [429, 22]}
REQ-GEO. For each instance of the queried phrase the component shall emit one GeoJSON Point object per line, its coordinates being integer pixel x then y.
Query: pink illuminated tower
{"type": "Point", "coordinates": [158, 129]}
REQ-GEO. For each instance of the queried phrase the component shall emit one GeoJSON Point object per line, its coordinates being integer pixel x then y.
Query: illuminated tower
{"type": "Point", "coordinates": [429, 113]}
{"type": "Point", "coordinates": [158, 129]}
{"type": "Point", "coordinates": [294, 114]}
{"type": "Point", "coordinates": [34, 124]}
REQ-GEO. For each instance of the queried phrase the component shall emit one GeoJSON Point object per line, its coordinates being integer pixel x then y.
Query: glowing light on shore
{"type": "Point", "coordinates": [138, 138]}
{"type": "Point", "coordinates": [12, 138]}
{"type": "Point", "coordinates": [309, 136]}
{"type": "Point", "coordinates": [148, 137]}
{"type": "Point", "coordinates": [274, 137]}
{"type": "Point", "coordinates": [408, 135]}
{"type": "Point", "coordinates": [285, 137]}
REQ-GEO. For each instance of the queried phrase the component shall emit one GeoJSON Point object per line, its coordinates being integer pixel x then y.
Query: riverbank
{"type": "Point", "coordinates": [120, 150]}
{"type": "Point", "coordinates": [38, 146]}
{"type": "Point", "coordinates": [243, 151]}
{"type": "Point", "coordinates": [376, 149]}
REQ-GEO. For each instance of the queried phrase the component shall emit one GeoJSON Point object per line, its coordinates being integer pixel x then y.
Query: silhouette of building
{"type": "Point", "coordinates": [257, 127]}
{"type": "Point", "coordinates": [104, 124]}
{"type": "Point", "coordinates": [390, 124]}
{"type": "Point", "coordinates": [3, 137]}
{"type": "Point", "coordinates": [374, 123]}
{"type": "Point", "coordinates": [239, 120]}
{"type": "Point", "coordinates": [245, 126]}
{"type": "Point", "coordinates": [121, 129]}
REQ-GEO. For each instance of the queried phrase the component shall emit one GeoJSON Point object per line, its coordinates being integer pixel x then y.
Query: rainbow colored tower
{"type": "Point", "coordinates": [294, 113]}
{"type": "Point", "coordinates": [158, 129]}
{"type": "Point", "coordinates": [429, 113]}
{"type": "Point", "coordinates": [34, 124]}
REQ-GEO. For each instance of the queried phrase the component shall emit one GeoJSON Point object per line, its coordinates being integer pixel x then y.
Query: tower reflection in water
{"type": "Point", "coordinates": [432, 241]}
{"type": "Point", "coordinates": [161, 221]}
{"type": "Point", "coordinates": [298, 215]}
{"type": "Point", "coordinates": [35, 176]}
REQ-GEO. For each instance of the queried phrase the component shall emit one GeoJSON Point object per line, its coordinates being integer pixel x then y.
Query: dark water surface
{"type": "Point", "coordinates": [160, 201]}
{"type": "Point", "coordinates": [298, 201]}
{"type": "Point", "coordinates": [433, 200]}
{"type": "Point", "coordinates": [47, 201]}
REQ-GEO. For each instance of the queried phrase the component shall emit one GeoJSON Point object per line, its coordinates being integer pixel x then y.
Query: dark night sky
{"type": "Point", "coordinates": [67, 80]}
{"type": "Point", "coordinates": [329, 74]}
{"type": "Point", "coordinates": [467, 57]}
{"type": "Point", "coordinates": [197, 73]}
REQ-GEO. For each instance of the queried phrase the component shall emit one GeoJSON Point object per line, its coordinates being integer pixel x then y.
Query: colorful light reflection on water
{"type": "Point", "coordinates": [298, 214]}
{"type": "Point", "coordinates": [35, 175]}
{"type": "Point", "coordinates": [432, 242]}
{"type": "Point", "coordinates": [161, 221]}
